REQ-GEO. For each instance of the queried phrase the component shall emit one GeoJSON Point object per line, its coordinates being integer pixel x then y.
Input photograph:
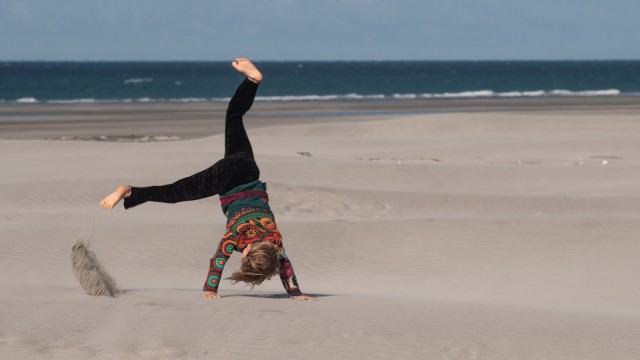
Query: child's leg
{"type": "Point", "coordinates": [236, 139]}
{"type": "Point", "coordinates": [197, 186]}
{"type": "Point", "coordinates": [238, 166]}
{"type": "Point", "coordinates": [217, 179]}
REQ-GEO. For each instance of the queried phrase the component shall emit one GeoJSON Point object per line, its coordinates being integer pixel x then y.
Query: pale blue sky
{"type": "Point", "coordinates": [319, 29]}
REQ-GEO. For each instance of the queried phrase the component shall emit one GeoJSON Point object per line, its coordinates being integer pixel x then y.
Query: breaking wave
{"type": "Point", "coordinates": [344, 97]}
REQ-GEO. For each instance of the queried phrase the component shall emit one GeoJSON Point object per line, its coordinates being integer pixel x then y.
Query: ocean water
{"type": "Point", "coordinates": [95, 82]}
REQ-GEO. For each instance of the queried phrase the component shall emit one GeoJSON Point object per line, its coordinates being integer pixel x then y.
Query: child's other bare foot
{"type": "Point", "coordinates": [114, 198]}
{"type": "Point", "coordinates": [246, 67]}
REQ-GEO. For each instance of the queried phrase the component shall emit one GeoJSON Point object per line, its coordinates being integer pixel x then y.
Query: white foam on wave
{"type": "Point", "coordinates": [354, 96]}
{"type": "Point", "coordinates": [608, 92]}
{"type": "Point", "coordinates": [462, 94]}
{"type": "Point", "coordinates": [297, 98]}
{"type": "Point", "coordinates": [188, 100]}
{"type": "Point", "coordinates": [513, 94]}
{"type": "Point", "coordinates": [73, 101]}
{"type": "Point", "coordinates": [137, 80]}
{"type": "Point", "coordinates": [397, 96]}
{"type": "Point", "coordinates": [339, 97]}
{"type": "Point", "coordinates": [27, 100]}
{"type": "Point", "coordinates": [522, 93]}
{"type": "Point", "coordinates": [312, 97]}
{"type": "Point", "coordinates": [404, 96]}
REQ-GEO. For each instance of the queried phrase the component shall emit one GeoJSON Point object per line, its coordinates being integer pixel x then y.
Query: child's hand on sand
{"type": "Point", "coordinates": [210, 295]}
{"type": "Point", "coordinates": [303, 297]}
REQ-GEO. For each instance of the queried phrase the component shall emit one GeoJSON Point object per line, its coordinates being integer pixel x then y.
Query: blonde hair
{"type": "Point", "coordinates": [260, 264]}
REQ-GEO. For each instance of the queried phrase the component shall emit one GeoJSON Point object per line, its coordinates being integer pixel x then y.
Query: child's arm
{"type": "Point", "coordinates": [216, 265]}
{"type": "Point", "coordinates": [289, 280]}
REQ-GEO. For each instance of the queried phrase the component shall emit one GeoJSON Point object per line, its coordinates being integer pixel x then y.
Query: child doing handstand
{"type": "Point", "coordinates": [251, 226]}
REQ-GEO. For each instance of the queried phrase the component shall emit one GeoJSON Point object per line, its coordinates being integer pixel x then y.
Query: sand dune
{"type": "Point", "coordinates": [443, 236]}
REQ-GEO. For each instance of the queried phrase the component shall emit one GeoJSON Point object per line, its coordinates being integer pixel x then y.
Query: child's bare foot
{"type": "Point", "coordinates": [114, 198]}
{"type": "Point", "coordinates": [246, 67]}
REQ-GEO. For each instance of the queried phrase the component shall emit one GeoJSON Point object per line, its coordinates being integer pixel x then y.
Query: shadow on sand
{"type": "Point", "coordinates": [231, 294]}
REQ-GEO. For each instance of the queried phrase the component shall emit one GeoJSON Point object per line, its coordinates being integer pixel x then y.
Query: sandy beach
{"type": "Point", "coordinates": [475, 229]}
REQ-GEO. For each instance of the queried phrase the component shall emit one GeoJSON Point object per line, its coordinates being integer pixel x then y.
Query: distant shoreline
{"type": "Point", "coordinates": [446, 104]}
{"type": "Point", "coordinates": [171, 121]}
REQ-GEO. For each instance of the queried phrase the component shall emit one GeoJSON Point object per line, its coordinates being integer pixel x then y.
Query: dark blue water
{"type": "Point", "coordinates": [87, 82]}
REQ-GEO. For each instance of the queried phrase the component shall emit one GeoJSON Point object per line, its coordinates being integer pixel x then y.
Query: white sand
{"type": "Point", "coordinates": [452, 236]}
